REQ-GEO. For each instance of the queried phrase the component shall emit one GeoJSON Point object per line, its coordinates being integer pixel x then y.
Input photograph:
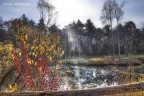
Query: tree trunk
{"type": "Point", "coordinates": [113, 53]}
{"type": "Point", "coordinates": [119, 50]}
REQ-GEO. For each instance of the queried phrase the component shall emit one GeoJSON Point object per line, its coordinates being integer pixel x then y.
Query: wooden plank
{"type": "Point", "coordinates": [133, 87]}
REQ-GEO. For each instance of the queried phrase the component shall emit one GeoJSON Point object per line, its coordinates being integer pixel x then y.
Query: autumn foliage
{"type": "Point", "coordinates": [35, 59]}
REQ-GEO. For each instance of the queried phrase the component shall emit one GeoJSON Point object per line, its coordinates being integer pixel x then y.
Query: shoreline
{"type": "Point", "coordinates": [88, 62]}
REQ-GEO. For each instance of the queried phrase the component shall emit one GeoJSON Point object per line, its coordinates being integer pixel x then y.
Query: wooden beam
{"type": "Point", "coordinates": [126, 88]}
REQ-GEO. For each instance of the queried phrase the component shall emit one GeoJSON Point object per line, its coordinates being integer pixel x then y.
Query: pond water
{"type": "Point", "coordinates": [84, 77]}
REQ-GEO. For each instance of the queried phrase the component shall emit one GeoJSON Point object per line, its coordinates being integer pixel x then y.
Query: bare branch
{"type": "Point", "coordinates": [47, 12]}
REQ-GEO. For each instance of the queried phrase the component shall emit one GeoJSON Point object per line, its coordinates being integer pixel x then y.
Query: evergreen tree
{"type": "Point", "coordinates": [24, 20]}
{"type": "Point", "coordinates": [90, 28]}
{"type": "Point", "coordinates": [41, 24]}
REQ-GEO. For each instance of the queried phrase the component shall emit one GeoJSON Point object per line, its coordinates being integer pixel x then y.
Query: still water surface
{"type": "Point", "coordinates": [84, 77]}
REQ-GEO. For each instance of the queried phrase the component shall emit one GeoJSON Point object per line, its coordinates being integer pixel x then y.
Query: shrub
{"type": "Point", "coordinates": [35, 61]}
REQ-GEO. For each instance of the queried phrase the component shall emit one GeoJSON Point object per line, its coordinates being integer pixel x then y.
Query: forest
{"type": "Point", "coordinates": [84, 39]}
{"type": "Point", "coordinates": [39, 56]}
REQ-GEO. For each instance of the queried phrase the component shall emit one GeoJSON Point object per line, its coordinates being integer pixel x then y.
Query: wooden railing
{"type": "Point", "coordinates": [133, 87]}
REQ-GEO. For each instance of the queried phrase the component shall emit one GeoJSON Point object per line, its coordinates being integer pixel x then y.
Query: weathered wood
{"type": "Point", "coordinates": [133, 87]}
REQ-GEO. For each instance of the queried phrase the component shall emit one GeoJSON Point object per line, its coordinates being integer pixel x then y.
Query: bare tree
{"type": "Point", "coordinates": [47, 12]}
{"type": "Point", "coordinates": [1, 22]}
{"type": "Point", "coordinates": [108, 16]}
{"type": "Point", "coordinates": [118, 11]}
{"type": "Point", "coordinates": [118, 14]}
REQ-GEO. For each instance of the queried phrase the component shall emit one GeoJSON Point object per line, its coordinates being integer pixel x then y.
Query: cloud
{"type": "Point", "coordinates": [69, 10]}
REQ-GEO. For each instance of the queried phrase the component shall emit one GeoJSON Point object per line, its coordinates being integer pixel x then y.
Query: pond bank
{"type": "Point", "coordinates": [100, 62]}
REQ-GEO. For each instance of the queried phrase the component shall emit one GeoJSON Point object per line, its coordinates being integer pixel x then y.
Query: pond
{"type": "Point", "coordinates": [84, 77]}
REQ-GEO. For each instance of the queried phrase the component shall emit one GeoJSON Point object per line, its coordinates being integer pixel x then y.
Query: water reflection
{"type": "Point", "coordinates": [83, 77]}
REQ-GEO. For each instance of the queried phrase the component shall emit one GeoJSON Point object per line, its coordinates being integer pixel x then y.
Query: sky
{"type": "Point", "coordinates": [72, 10]}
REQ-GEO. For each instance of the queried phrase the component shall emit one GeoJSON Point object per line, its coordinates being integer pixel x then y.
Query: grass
{"type": "Point", "coordinates": [106, 60]}
{"type": "Point", "coordinates": [140, 93]}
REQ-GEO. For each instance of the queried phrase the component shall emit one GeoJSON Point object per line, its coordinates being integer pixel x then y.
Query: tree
{"type": "Point", "coordinates": [90, 28]}
{"type": "Point", "coordinates": [118, 13]}
{"type": "Point", "coordinates": [120, 36]}
{"type": "Point", "coordinates": [80, 27]}
{"type": "Point", "coordinates": [130, 28]}
{"type": "Point", "coordinates": [90, 32]}
{"type": "Point", "coordinates": [108, 15]}
{"type": "Point", "coordinates": [130, 33]}
{"type": "Point", "coordinates": [6, 25]}
{"type": "Point", "coordinates": [31, 23]}
{"type": "Point", "coordinates": [140, 38]}
{"type": "Point", "coordinates": [27, 22]}
{"type": "Point", "coordinates": [54, 29]}
{"type": "Point", "coordinates": [1, 22]}
{"type": "Point", "coordinates": [2, 32]}
{"type": "Point", "coordinates": [79, 24]}
{"type": "Point", "coordinates": [14, 30]}
{"type": "Point", "coordinates": [107, 33]}
{"type": "Point", "coordinates": [41, 25]}
{"type": "Point", "coordinates": [24, 20]}
{"type": "Point", "coordinates": [47, 12]}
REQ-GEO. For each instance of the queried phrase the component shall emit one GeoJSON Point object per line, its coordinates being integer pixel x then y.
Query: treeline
{"type": "Point", "coordinates": [9, 29]}
{"type": "Point", "coordinates": [83, 39]}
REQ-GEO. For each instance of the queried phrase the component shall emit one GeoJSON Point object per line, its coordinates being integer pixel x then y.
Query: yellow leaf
{"type": "Point", "coordinates": [10, 48]}
{"type": "Point", "coordinates": [55, 52]}
{"type": "Point", "coordinates": [35, 63]}
{"type": "Point", "coordinates": [50, 58]}
{"type": "Point", "coordinates": [42, 42]}
{"type": "Point", "coordinates": [20, 54]}
{"type": "Point", "coordinates": [22, 38]}
{"type": "Point", "coordinates": [61, 62]}
{"type": "Point", "coordinates": [26, 37]}
{"type": "Point", "coordinates": [33, 53]}
{"type": "Point", "coordinates": [32, 47]}
{"type": "Point", "coordinates": [29, 61]}
{"type": "Point", "coordinates": [62, 53]}
{"type": "Point", "coordinates": [35, 41]}
{"type": "Point", "coordinates": [59, 48]}
{"type": "Point", "coordinates": [10, 86]}
{"type": "Point", "coordinates": [68, 70]}
{"type": "Point", "coordinates": [32, 61]}
{"type": "Point", "coordinates": [40, 68]}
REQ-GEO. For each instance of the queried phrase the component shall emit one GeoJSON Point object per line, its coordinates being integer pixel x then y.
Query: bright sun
{"type": "Point", "coordinates": [69, 10]}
